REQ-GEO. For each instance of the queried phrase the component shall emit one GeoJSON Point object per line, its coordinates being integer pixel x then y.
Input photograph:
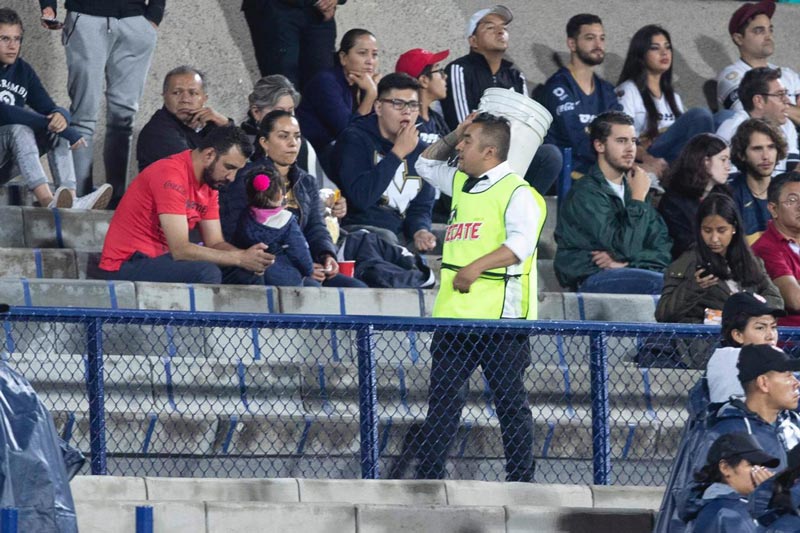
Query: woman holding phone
{"type": "Point", "coordinates": [697, 284]}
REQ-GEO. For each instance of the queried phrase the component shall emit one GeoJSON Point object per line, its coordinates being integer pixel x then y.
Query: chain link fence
{"type": "Point", "coordinates": [209, 395]}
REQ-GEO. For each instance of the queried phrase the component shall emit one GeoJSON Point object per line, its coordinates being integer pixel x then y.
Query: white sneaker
{"type": "Point", "coordinates": [96, 200]}
{"type": "Point", "coordinates": [62, 199]}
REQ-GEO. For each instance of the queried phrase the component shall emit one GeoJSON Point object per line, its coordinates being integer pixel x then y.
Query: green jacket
{"type": "Point", "coordinates": [682, 299]}
{"type": "Point", "coordinates": [592, 218]}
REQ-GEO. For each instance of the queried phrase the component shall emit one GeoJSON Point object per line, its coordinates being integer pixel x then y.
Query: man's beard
{"type": "Point", "coordinates": [208, 176]}
{"type": "Point", "coordinates": [589, 59]}
{"type": "Point", "coordinates": [755, 172]}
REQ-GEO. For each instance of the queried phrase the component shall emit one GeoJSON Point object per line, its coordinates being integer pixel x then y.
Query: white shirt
{"type": "Point", "coordinates": [618, 188]}
{"type": "Point", "coordinates": [722, 375]}
{"type": "Point", "coordinates": [521, 216]}
{"type": "Point", "coordinates": [633, 105]}
{"type": "Point", "coordinates": [731, 76]}
{"type": "Point", "coordinates": [728, 129]}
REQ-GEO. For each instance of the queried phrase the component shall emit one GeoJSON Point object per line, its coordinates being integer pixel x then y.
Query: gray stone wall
{"type": "Point", "coordinates": [212, 35]}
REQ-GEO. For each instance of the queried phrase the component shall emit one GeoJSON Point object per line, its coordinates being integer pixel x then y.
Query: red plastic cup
{"type": "Point", "coordinates": [347, 268]}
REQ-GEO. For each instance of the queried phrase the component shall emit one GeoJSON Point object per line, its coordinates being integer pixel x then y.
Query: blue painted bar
{"type": "Point", "coordinates": [9, 518]}
{"type": "Point", "coordinates": [368, 404]}
{"type": "Point", "coordinates": [96, 393]}
{"type": "Point", "coordinates": [144, 519]}
{"type": "Point", "coordinates": [601, 431]}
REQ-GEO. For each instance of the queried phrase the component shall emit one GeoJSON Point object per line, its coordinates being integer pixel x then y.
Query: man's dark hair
{"type": "Point", "coordinates": [756, 82]}
{"type": "Point", "coordinates": [184, 69]}
{"type": "Point", "coordinates": [10, 17]}
{"type": "Point", "coordinates": [396, 80]}
{"type": "Point", "coordinates": [741, 140]}
{"type": "Point", "coordinates": [777, 183]}
{"type": "Point", "coordinates": [600, 128]}
{"type": "Point", "coordinates": [574, 24]}
{"type": "Point", "coordinates": [495, 131]}
{"type": "Point", "coordinates": [223, 138]}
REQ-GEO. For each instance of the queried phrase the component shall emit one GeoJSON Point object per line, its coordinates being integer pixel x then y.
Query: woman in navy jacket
{"type": "Point", "coordinates": [736, 464]}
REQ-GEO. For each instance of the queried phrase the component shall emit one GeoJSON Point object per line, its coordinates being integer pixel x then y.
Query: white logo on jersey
{"type": "Point", "coordinates": [560, 93]}
{"type": "Point", "coordinates": [428, 138]}
{"type": "Point", "coordinates": [403, 187]}
{"type": "Point", "coordinates": [563, 108]}
{"type": "Point", "coordinates": [7, 97]}
{"type": "Point", "coordinates": [586, 118]}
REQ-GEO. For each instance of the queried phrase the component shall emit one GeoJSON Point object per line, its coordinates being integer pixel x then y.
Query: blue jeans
{"type": "Point", "coordinates": [544, 168]}
{"type": "Point", "coordinates": [503, 359]}
{"type": "Point", "coordinates": [164, 268]}
{"type": "Point", "coordinates": [670, 143]}
{"type": "Point", "coordinates": [624, 281]}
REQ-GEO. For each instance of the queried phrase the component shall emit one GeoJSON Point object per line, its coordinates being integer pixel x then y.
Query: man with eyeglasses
{"type": "Point", "coordinates": [762, 95]}
{"type": "Point", "coordinates": [374, 164]}
{"type": "Point", "coordinates": [751, 30]}
{"type": "Point", "coordinates": [31, 124]}
{"type": "Point", "coordinates": [779, 246]}
{"type": "Point", "coordinates": [484, 67]}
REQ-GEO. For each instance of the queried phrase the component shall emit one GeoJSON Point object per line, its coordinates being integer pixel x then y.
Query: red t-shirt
{"type": "Point", "coordinates": [167, 187]}
{"type": "Point", "coordinates": [779, 260]}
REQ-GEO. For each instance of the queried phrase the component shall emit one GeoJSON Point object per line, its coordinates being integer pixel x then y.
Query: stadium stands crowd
{"type": "Point", "coordinates": [654, 205]}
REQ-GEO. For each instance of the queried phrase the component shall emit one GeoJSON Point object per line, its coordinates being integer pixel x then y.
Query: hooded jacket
{"type": "Point", "coordinates": [683, 300]}
{"type": "Point", "coordinates": [720, 510]}
{"type": "Point", "coordinates": [593, 217]}
{"type": "Point", "coordinates": [381, 189]}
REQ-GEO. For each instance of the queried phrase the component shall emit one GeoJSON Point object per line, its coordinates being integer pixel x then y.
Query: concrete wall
{"type": "Point", "coordinates": [212, 35]}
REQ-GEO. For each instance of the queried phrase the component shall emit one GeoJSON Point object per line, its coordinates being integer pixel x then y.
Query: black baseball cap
{"type": "Point", "coordinates": [750, 304]}
{"type": "Point", "coordinates": [758, 359]}
{"type": "Point", "coordinates": [740, 446]}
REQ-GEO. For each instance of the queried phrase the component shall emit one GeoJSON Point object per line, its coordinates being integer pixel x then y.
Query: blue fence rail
{"type": "Point", "coordinates": [323, 396]}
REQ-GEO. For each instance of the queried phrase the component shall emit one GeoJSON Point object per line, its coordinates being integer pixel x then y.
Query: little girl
{"type": "Point", "coordinates": [268, 222]}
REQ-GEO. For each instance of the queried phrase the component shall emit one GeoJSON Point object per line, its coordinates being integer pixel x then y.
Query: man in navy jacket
{"type": "Point", "coordinates": [374, 166]}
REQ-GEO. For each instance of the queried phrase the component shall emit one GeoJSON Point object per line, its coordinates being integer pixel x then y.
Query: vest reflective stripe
{"type": "Point", "coordinates": [477, 228]}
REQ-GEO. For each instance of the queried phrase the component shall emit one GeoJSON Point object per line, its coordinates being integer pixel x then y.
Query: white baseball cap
{"type": "Point", "coordinates": [475, 19]}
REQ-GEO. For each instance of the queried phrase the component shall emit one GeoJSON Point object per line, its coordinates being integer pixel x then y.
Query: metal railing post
{"type": "Point", "coordinates": [144, 519]}
{"type": "Point", "coordinates": [96, 393]}
{"type": "Point", "coordinates": [601, 431]}
{"type": "Point", "coordinates": [367, 403]}
{"type": "Point", "coordinates": [8, 520]}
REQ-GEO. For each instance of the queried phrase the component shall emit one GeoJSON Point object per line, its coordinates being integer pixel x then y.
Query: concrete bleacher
{"type": "Point", "coordinates": [215, 505]}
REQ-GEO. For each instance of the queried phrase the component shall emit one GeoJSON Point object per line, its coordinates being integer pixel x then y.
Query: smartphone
{"type": "Point", "coordinates": [703, 271]}
{"type": "Point", "coordinates": [52, 24]}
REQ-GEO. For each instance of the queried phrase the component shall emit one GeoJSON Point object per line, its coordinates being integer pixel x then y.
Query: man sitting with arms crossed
{"type": "Point", "coordinates": [488, 272]}
{"type": "Point", "coordinates": [148, 239]}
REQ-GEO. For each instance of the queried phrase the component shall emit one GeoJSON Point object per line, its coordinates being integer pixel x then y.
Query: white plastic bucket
{"type": "Point", "coordinates": [529, 123]}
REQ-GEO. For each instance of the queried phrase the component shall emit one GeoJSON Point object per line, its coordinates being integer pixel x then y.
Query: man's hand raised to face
{"type": "Point", "coordinates": [406, 141]}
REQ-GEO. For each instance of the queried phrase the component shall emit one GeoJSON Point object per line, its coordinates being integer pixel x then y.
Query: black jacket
{"type": "Point", "coordinates": [164, 135]}
{"type": "Point", "coordinates": [153, 10]}
{"type": "Point", "coordinates": [468, 77]}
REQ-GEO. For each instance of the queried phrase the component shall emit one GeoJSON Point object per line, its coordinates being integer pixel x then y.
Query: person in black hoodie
{"type": "Point", "coordinates": [109, 45]}
{"type": "Point", "coordinates": [31, 123]}
{"type": "Point", "coordinates": [736, 464]}
{"type": "Point", "coordinates": [374, 166]}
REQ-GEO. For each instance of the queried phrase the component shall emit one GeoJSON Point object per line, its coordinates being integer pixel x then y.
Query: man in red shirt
{"type": "Point", "coordinates": [148, 239]}
{"type": "Point", "coordinates": [779, 246]}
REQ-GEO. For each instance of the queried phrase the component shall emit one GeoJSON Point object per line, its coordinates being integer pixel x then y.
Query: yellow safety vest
{"type": "Point", "coordinates": [477, 228]}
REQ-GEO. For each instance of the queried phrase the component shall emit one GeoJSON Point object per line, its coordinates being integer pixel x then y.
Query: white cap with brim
{"type": "Point", "coordinates": [475, 19]}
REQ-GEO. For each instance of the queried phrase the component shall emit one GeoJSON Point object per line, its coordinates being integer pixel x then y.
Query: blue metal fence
{"type": "Point", "coordinates": [323, 396]}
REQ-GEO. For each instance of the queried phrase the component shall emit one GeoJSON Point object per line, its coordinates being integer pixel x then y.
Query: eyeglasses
{"type": "Point", "coordinates": [8, 39]}
{"type": "Point", "coordinates": [781, 94]}
{"type": "Point", "coordinates": [399, 105]}
{"type": "Point", "coordinates": [441, 71]}
{"type": "Point", "coordinates": [792, 201]}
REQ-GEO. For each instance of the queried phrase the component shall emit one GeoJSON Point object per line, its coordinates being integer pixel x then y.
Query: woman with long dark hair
{"type": "Point", "coordinates": [702, 167]}
{"type": "Point", "coordinates": [645, 92]}
{"type": "Point", "coordinates": [735, 465]}
{"type": "Point", "coordinates": [720, 264]}
{"type": "Point", "coordinates": [334, 96]}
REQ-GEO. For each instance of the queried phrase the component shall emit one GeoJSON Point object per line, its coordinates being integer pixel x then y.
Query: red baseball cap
{"type": "Point", "coordinates": [748, 11]}
{"type": "Point", "coordinates": [414, 61]}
